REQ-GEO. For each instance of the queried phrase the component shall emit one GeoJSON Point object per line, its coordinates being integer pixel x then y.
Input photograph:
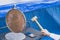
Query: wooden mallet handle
{"type": "Point", "coordinates": [35, 19]}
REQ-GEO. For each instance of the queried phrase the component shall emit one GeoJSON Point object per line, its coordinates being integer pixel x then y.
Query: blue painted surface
{"type": "Point", "coordinates": [48, 16]}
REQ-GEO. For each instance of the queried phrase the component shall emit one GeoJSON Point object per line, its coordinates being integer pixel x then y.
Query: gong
{"type": "Point", "coordinates": [15, 20]}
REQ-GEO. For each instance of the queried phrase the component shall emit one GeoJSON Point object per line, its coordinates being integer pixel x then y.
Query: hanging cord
{"type": "Point", "coordinates": [14, 6]}
{"type": "Point", "coordinates": [3, 27]}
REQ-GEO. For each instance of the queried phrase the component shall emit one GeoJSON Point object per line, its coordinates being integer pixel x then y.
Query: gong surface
{"type": "Point", "coordinates": [15, 20]}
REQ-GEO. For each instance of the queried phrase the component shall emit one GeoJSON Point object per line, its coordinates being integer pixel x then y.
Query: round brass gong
{"type": "Point", "coordinates": [15, 20]}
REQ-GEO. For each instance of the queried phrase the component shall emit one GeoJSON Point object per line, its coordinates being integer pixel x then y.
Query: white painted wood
{"type": "Point", "coordinates": [4, 2]}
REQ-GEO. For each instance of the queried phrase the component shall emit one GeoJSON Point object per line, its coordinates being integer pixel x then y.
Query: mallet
{"type": "Point", "coordinates": [35, 19]}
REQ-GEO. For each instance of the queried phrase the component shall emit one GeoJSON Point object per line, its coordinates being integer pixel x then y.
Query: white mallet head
{"type": "Point", "coordinates": [34, 18]}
